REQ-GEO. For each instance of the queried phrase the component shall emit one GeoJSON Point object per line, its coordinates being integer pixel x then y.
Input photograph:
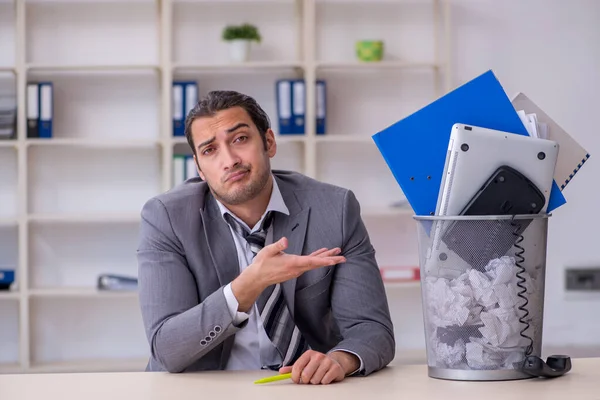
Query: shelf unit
{"type": "Point", "coordinates": [74, 200]}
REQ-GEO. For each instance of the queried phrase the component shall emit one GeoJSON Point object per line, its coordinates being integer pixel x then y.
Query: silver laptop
{"type": "Point", "coordinates": [474, 154]}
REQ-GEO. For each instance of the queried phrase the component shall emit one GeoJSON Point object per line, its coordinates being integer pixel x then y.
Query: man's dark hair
{"type": "Point", "coordinates": [219, 100]}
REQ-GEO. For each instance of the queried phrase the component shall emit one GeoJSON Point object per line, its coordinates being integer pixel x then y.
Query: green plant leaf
{"type": "Point", "coordinates": [243, 31]}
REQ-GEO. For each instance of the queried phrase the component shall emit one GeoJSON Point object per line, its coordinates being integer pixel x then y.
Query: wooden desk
{"type": "Point", "coordinates": [395, 382]}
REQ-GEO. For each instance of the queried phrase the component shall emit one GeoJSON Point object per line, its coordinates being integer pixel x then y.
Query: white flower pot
{"type": "Point", "coordinates": [239, 50]}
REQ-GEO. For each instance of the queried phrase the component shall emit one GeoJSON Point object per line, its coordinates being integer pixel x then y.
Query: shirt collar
{"type": "Point", "coordinates": [276, 203]}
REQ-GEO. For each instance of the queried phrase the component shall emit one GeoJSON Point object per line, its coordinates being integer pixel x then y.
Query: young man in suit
{"type": "Point", "coordinates": [249, 268]}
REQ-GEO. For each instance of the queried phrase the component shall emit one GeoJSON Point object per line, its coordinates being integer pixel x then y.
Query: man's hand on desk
{"type": "Point", "coordinates": [318, 368]}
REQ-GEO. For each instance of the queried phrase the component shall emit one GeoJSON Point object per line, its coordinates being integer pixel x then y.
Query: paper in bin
{"type": "Point", "coordinates": [476, 316]}
{"type": "Point", "coordinates": [501, 327]}
{"type": "Point", "coordinates": [452, 354]}
{"type": "Point", "coordinates": [451, 308]}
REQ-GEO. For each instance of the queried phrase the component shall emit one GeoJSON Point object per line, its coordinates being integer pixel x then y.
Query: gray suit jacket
{"type": "Point", "coordinates": [187, 255]}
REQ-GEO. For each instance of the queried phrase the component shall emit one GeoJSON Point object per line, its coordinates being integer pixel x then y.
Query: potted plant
{"type": "Point", "coordinates": [239, 38]}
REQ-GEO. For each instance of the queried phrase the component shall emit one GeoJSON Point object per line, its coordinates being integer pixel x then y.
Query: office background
{"type": "Point", "coordinates": [69, 204]}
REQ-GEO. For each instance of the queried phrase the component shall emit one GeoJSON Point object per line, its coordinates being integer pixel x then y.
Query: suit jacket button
{"type": "Point", "coordinates": [212, 334]}
{"type": "Point", "coordinates": [203, 343]}
{"type": "Point", "coordinates": [217, 329]}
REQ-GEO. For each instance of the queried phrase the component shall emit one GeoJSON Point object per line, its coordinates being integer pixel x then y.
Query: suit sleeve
{"type": "Point", "coordinates": [180, 329]}
{"type": "Point", "coordinates": [358, 298]}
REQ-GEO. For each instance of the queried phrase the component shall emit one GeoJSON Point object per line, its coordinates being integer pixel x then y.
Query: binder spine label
{"type": "Point", "coordinates": [321, 108]}
{"type": "Point", "coordinates": [298, 106]}
{"type": "Point", "coordinates": [320, 101]}
{"type": "Point", "coordinates": [284, 106]}
{"type": "Point", "coordinates": [191, 97]}
{"type": "Point", "coordinates": [33, 110]}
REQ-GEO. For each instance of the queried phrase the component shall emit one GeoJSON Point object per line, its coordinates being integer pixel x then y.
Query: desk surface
{"type": "Point", "coordinates": [395, 382]}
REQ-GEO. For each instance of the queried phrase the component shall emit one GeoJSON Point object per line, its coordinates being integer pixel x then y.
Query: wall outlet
{"type": "Point", "coordinates": [582, 279]}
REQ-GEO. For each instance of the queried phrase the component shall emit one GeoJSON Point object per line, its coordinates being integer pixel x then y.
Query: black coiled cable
{"type": "Point", "coordinates": [521, 280]}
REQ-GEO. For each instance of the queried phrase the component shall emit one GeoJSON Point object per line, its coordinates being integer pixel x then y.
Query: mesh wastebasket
{"type": "Point", "coordinates": [483, 293]}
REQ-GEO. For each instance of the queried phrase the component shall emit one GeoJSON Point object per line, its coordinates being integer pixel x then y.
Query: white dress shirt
{"type": "Point", "coordinates": [252, 349]}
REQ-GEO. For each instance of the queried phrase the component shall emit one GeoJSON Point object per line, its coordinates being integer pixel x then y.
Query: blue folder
{"type": "Point", "coordinates": [283, 95]}
{"type": "Point", "coordinates": [46, 109]}
{"type": "Point", "coordinates": [415, 147]}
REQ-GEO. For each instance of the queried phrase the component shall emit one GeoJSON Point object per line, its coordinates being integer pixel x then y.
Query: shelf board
{"type": "Point", "coordinates": [363, 2]}
{"type": "Point", "coordinates": [178, 140]}
{"type": "Point", "coordinates": [8, 221]}
{"type": "Point", "coordinates": [10, 368]}
{"type": "Point", "coordinates": [9, 295]}
{"type": "Point", "coordinates": [290, 138]}
{"type": "Point", "coordinates": [278, 139]}
{"type": "Point", "coordinates": [107, 365]}
{"type": "Point", "coordinates": [9, 143]}
{"type": "Point", "coordinates": [126, 2]}
{"type": "Point", "coordinates": [91, 68]}
{"type": "Point", "coordinates": [237, 67]}
{"type": "Point", "coordinates": [402, 285]}
{"type": "Point", "coordinates": [86, 218]}
{"type": "Point", "coordinates": [386, 211]}
{"type": "Point", "coordinates": [378, 65]}
{"type": "Point", "coordinates": [95, 143]}
{"type": "Point", "coordinates": [344, 139]}
{"type": "Point", "coordinates": [83, 292]}
{"type": "Point", "coordinates": [7, 69]}
{"type": "Point", "coordinates": [290, 2]}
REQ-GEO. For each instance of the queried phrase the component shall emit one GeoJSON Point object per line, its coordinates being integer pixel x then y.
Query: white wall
{"type": "Point", "coordinates": [549, 50]}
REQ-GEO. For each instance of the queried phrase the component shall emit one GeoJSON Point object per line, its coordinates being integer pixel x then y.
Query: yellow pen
{"type": "Point", "coordinates": [274, 378]}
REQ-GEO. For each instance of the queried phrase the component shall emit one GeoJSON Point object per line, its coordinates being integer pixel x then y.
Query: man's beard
{"type": "Point", "coordinates": [245, 193]}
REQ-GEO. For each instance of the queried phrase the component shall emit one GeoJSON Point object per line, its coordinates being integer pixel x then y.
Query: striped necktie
{"type": "Point", "coordinates": [271, 304]}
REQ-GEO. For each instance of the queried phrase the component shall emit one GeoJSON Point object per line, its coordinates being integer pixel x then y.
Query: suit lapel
{"type": "Point", "coordinates": [293, 227]}
{"type": "Point", "coordinates": [220, 243]}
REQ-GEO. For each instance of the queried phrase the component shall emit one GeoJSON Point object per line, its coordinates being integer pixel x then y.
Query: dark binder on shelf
{"type": "Point", "coordinates": [185, 97]}
{"type": "Point", "coordinates": [414, 148]}
{"type": "Point", "coordinates": [283, 96]}
{"type": "Point", "coordinates": [33, 110]}
{"type": "Point", "coordinates": [46, 109]}
{"type": "Point", "coordinates": [321, 102]}
{"type": "Point", "coordinates": [7, 278]}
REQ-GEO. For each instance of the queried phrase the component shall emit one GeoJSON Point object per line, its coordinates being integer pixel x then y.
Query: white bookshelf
{"type": "Point", "coordinates": [70, 205]}
{"type": "Point", "coordinates": [80, 293]}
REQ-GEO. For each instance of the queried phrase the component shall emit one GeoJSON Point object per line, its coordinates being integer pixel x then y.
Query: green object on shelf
{"type": "Point", "coordinates": [244, 31]}
{"type": "Point", "coordinates": [369, 50]}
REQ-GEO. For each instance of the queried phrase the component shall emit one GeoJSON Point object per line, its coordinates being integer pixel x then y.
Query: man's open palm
{"type": "Point", "coordinates": [276, 266]}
